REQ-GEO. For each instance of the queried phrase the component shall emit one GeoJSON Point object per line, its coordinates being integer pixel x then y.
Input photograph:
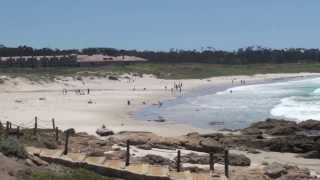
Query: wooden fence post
{"type": "Point", "coordinates": [178, 160]}
{"type": "Point", "coordinates": [53, 124]}
{"type": "Point", "coordinates": [18, 132]}
{"type": "Point", "coordinates": [7, 127]}
{"type": "Point", "coordinates": [57, 134]}
{"type": "Point", "coordinates": [66, 143]}
{"type": "Point", "coordinates": [35, 125]}
{"type": "Point", "coordinates": [10, 125]}
{"type": "Point", "coordinates": [128, 153]}
{"type": "Point", "coordinates": [226, 163]}
{"type": "Point", "coordinates": [211, 162]}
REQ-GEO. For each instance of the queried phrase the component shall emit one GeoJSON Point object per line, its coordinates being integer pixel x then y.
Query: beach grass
{"type": "Point", "coordinates": [161, 70]}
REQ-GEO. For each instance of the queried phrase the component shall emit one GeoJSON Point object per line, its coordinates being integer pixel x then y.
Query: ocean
{"type": "Point", "coordinates": [238, 107]}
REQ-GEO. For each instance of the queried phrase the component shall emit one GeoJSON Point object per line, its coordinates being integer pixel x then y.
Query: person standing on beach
{"type": "Point", "coordinates": [88, 91]}
{"type": "Point", "coordinates": [128, 102]}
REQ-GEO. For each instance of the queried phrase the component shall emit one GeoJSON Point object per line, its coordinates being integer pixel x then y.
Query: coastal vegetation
{"type": "Point", "coordinates": [248, 55]}
{"type": "Point", "coordinates": [161, 70]}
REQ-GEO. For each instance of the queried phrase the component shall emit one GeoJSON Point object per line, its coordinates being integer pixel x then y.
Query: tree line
{"type": "Point", "coordinates": [248, 55]}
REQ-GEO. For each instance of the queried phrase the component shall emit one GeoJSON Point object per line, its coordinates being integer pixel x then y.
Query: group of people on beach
{"type": "Point", "coordinates": [77, 91]}
{"type": "Point", "coordinates": [242, 82]}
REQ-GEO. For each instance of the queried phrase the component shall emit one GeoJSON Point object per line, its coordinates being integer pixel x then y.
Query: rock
{"type": "Point", "coordinates": [104, 132]}
{"type": "Point", "coordinates": [50, 144]}
{"type": "Point", "coordinates": [194, 158]}
{"type": "Point", "coordinates": [310, 125]}
{"type": "Point", "coordinates": [251, 131]}
{"type": "Point", "coordinates": [283, 130]}
{"type": "Point", "coordinates": [312, 155]}
{"type": "Point", "coordinates": [234, 159]}
{"type": "Point", "coordinates": [30, 163]}
{"type": "Point", "coordinates": [145, 146]}
{"type": "Point", "coordinates": [239, 160]}
{"type": "Point", "coordinates": [215, 136]}
{"type": "Point", "coordinates": [71, 131]}
{"type": "Point", "coordinates": [211, 145]}
{"type": "Point", "coordinates": [295, 144]}
{"type": "Point", "coordinates": [253, 151]}
{"type": "Point", "coordinates": [276, 127]}
{"type": "Point", "coordinates": [275, 170]}
{"type": "Point", "coordinates": [114, 78]}
{"type": "Point", "coordinates": [155, 159]}
{"type": "Point", "coordinates": [96, 153]}
{"type": "Point", "coordinates": [36, 160]}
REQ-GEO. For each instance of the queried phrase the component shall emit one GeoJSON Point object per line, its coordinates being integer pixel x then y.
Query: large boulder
{"type": "Point", "coordinates": [239, 160]}
{"type": "Point", "coordinates": [275, 170]}
{"type": "Point", "coordinates": [211, 145]}
{"type": "Point", "coordinates": [276, 127]}
{"type": "Point", "coordinates": [104, 132]}
{"type": "Point", "coordinates": [312, 155]}
{"type": "Point", "coordinates": [310, 125]}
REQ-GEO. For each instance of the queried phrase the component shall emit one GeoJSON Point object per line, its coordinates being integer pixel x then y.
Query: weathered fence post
{"type": "Point", "coordinates": [66, 143]}
{"type": "Point", "coordinates": [211, 162]}
{"type": "Point", "coordinates": [178, 160]}
{"type": "Point", "coordinates": [128, 153]}
{"type": "Point", "coordinates": [18, 132]}
{"type": "Point", "coordinates": [35, 125]}
{"type": "Point", "coordinates": [53, 124]}
{"type": "Point", "coordinates": [10, 125]}
{"type": "Point", "coordinates": [7, 127]}
{"type": "Point", "coordinates": [226, 163]}
{"type": "Point", "coordinates": [57, 134]}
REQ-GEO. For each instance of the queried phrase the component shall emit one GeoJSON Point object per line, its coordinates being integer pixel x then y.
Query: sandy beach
{"type": "Point", "coordinates": [21, 100]}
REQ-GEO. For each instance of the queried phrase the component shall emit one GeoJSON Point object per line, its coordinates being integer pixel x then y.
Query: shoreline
{"type": "Point", "coordinates": [107, 102]}
{"type": "Point", "coordinates": [215, 88]}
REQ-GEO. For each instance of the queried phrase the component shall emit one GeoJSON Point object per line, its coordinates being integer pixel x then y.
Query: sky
{"type": "Point", "coordinates": [160, 24]}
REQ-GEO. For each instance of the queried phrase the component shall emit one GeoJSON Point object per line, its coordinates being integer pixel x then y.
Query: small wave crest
{"type": "Point", "coordinates": [298, 107]}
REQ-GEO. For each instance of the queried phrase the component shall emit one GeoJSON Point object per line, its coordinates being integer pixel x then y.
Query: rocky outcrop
{"type": "Point", "coordinates": [234, 159]}
{"type": "Point", "coordinates": [274, 127]}
{"type": "Point", "coordinates": [286, 172]}
{"type": "Point", "coordinates": [310, 125]}
{"type": "Point", "coordinates": [156, 160]}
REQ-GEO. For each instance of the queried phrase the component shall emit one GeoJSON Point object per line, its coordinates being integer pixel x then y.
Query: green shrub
{"type": "Point", "coordinates": [12, 147]}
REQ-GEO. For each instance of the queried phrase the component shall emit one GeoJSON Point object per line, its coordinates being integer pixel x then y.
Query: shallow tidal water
{"type": "Point", "coordinates": [217, 109]}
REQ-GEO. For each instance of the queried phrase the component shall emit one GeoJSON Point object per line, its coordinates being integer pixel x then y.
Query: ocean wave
{"type": "Point", "coordinates": [316, 91]}
{"type": "Point", "coordinates": [298, 107]}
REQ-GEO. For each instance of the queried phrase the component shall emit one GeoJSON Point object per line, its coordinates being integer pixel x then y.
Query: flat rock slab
{"type": "Point", "coordinates": [180, 175]}
{"type": "Point", "coordinates": [33, 150]}
{"type": "Point", "coordinates": [51, 153]}
{"type": "Point", "coordinates": [159, 171]}
{"type": "Point", "coordinates": [115, 164]}
{"type": "Point", "coordinates": [74, 157]}
{"type": "Point", "coordinates": [138, 168]}
{"type": "Point", "coordinates": [95, 160]}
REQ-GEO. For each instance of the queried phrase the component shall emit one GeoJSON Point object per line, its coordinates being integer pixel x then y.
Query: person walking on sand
{"type": "Point", "coordinates": [128, 102]}
{"type": "Point", "coordinates": [88, 91]}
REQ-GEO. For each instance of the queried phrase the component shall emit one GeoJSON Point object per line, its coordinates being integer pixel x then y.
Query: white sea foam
{"type": "Point", "coordinates": [299, 108]}
{"type": "Point", "coordinates": [316, 91]}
